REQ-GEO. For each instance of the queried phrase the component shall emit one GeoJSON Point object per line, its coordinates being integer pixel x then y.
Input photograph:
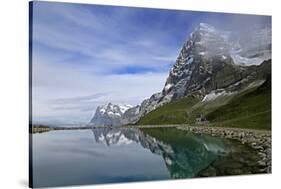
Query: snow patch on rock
{"type": "Point", "coordinates": [215, 94]}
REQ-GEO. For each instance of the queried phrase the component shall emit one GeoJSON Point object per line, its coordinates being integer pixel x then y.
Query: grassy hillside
{"type": "Point", "coordinates": [173, 113]}
{"type": "Point", "coordinates": [248, 109]}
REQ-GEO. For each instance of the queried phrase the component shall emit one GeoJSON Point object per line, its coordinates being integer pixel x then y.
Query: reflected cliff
{"type": "Point", "coordinates": [185, 154]}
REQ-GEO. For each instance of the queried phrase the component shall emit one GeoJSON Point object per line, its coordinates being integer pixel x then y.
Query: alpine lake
{"type": "Point", "coordinates": [114, 155]}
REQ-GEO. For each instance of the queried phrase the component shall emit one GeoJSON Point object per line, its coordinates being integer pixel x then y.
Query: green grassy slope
{"type": "Point", "coordinates": [248, 109]}
{"type": "Point", "coordinates": [173, 113]}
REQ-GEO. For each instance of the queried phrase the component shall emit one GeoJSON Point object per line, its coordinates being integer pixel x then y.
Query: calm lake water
{"type": "Point", "coordinates": [104, 155]}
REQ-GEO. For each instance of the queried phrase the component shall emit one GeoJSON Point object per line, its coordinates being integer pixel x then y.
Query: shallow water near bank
{"type": "Point", "coordinates": [105, 155]}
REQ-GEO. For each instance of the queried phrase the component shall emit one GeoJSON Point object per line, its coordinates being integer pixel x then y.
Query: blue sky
{"type": "Point", "coordinates": [88, 55]}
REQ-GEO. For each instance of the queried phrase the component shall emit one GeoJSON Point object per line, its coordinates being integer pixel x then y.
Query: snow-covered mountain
{"type": "Point", "coordinates": [211, 62]}
{"type": "Point", "coordinates": [109, 115]}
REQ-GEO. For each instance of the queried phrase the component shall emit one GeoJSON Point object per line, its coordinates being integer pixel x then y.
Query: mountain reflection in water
{"type": "Point", "coordinates": [185, 154]}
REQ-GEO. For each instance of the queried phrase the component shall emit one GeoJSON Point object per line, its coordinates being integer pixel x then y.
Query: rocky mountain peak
{"type": "Point", "coordinates": [203, 46]}
{"type": "Point", "coordinates": [204, 30]}
{"type": "Point", "coordinates": [109, 114]}
{"type": "Point", "coordinates": [209, 61]}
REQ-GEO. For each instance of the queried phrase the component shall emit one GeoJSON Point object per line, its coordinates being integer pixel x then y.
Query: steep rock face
{"type": "Point", "coordinates": [208, 61]}
{"type": "Point", "coordinates": [131, 115]}
{"type": "Point", "coordinates": [202, 55]}
{"type": "Point", "coordinates": [109, 115]}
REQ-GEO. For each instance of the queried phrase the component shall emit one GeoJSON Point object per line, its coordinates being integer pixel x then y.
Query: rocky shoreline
{"type": "Point", "coordinates": [259, 140]}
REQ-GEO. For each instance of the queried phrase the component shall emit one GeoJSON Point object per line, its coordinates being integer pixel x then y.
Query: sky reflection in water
{"type": "Point", "coordinates": [107, 155]}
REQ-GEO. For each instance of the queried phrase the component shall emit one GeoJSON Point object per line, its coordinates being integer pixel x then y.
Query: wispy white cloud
{"type": "Point", "coordinates": [170, 58]}
{"type": "Point", "coordinates": [77, 58]}
{"type": "Point", "coordinates": [64, 91]}
{"type": "Point", "coordinates": [78, 99]}
{"type": "Point", "coordinates": [100, 37]}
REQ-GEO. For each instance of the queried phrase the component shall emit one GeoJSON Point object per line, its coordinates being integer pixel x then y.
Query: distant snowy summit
{"type": "Point", "coordinates": [109, 115]}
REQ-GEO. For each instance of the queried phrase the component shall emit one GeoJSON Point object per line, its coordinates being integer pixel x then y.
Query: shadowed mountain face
{"type": "Point", "coordinates": [215, 73]}
{"type": "Point", "coordinates": [211, 60]}
{"type": "Point", "coordinates": [184, 154]}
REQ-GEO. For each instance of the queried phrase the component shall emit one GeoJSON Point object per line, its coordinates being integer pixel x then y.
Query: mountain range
{"type": "Point", "coordinates": [212, 69]}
